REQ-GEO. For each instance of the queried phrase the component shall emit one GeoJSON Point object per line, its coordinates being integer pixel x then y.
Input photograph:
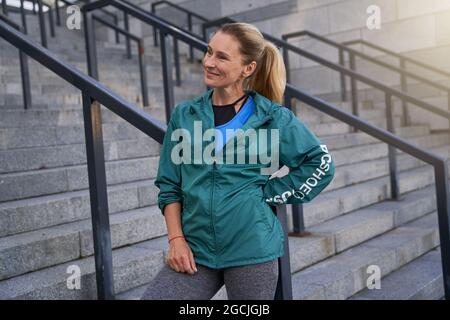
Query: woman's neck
{"type": "Point", "coordinates": [222, 97]}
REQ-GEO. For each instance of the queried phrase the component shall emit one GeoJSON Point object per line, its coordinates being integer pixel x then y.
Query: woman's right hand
{"type": "Point", "coordinates": [180, 257]}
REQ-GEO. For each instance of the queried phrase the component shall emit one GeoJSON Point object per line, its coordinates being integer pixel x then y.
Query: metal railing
{"type": "Point", "coordinates": [140, 54]}
{"type": "Point", "coordinates": [352, 53]}
{"type": "Point", "coordinates": [94, 94]}
{"type": "Point", "coordinates": [24, 71]}
{"type": "Point", "coordinates": [190, 15]}
{"type": "Point", "coordinates": [402, 59]}
{"type": "Point", "coordinates": [438, 163]}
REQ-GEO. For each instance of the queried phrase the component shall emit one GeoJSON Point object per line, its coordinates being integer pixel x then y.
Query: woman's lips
{"type": "Point", "coordinates": [211, 74]}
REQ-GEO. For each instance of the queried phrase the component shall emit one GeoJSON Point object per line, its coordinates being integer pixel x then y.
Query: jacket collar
{"type": "Point", "coordinates": [202, 106]}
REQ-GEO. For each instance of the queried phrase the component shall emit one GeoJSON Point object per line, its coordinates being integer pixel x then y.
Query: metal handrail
{"type": "Point", "coordinates": [23, 61]}
{"type": "Point", "coordinates": [397, 55]}
{"type": "Point", "coordinates": [439, 164]}
{"type": "Point", "coordinates": [404, 74]}
{"type": "Point", "coordinates": [189, 13]}
{"type": "Point", "coordinates": [94, 94]}
{"type": "Point", "coordinates": [141, 56]}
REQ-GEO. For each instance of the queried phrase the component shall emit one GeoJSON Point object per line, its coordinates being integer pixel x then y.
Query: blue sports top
{"type": "Point", "coordinates": [235, 123]}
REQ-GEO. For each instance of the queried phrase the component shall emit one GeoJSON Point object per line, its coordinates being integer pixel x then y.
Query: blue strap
{"type": "Point", "coordinates": [236, 123]}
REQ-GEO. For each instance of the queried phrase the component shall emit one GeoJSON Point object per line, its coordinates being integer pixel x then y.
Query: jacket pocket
{"type": "Point", "coordinates": [265, 212]}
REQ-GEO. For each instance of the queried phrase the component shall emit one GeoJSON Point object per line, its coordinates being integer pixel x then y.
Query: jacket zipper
{"type": "Point", "coordinates": [212, 208]}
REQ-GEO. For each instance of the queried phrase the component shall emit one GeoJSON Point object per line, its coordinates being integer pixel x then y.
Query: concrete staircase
{"type": "Point", "coordinates": [45, 222]}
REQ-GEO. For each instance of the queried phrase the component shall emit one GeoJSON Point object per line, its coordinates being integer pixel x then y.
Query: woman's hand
{"type": "Point", "coordinates": [180, 257]}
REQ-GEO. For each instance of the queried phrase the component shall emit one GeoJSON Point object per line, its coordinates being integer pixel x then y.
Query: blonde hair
{"type": "Point", "coordinates": [269, 77]}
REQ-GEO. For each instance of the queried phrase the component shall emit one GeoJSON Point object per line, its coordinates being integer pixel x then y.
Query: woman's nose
{"type": "Point", "coordinates": [208, 62]}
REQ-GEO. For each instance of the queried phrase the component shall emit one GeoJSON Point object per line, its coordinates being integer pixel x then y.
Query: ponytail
{"type": "Point", "coordinates": [269, 77]}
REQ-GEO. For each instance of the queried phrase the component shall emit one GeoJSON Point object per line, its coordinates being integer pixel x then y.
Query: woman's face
{"type": "Point", "coordinates": [223, 62]}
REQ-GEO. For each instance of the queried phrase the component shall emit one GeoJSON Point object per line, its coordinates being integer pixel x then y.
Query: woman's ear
{"type": "Point", "coordinates": [249, 69]}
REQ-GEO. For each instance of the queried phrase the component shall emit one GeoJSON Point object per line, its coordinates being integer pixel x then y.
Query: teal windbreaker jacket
{"type": "Point", "coordinates": [227, 215]}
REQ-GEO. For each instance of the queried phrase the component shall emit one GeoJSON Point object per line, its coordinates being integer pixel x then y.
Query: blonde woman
{"type": "Point", "coordinates": [219, 217]}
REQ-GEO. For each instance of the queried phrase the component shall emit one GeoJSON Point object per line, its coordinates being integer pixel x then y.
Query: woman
{"type": "Point", "coordinates": [219, 217]}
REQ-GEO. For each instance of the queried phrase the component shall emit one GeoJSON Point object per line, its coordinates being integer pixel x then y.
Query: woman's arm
{"type": "Point", "coordinates": [310, 164]}
{"type": "Point", "coordinates": [179, 257]}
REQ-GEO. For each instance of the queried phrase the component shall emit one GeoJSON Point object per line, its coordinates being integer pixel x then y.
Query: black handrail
{"type": "Point", "coordinates": [427, 66]}
{"type": "Point", "coordinates": [439, 164]}
{"type": "Point", "coordinates": [24, 71]}
{"type": "Point", "coordinates": [94, 94]}
{"type": "Point", "coordinates": [284, 287]}
{"type": "Point", "coordinates": [140, 54]}
{"type": "Point", "coordinates": [404, 74]}
{"type": "Point", "coordinates": [189, 13]}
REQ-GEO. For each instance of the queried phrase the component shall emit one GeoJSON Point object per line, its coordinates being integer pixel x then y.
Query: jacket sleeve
{"type": "Point", "coordinates": [168, 178]}
{"type": "Point", "coordinates": [311, 167]}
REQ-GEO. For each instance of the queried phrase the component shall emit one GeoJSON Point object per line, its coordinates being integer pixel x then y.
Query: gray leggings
{"type": "Point", "coordinates": [249, 282]}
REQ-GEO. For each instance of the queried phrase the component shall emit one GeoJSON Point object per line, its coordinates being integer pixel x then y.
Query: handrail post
{"type": "Point", "coordinates": [204, 31]}
{"type": "Point", "coordinates": [42, 24]}
{"type": "Point", "coordinates": [404, 86]}
{"type": "Point", "coordinates": [343, 83]}
{"type": "Point", "coordinates": [354, 89]}
{"type": "Point", "coordinates": [58, 16]}
{"type": "Point", "coordinates": [34, 6]}
{"type": "Point", "coordinates": [24, 19]}
{"type": "Point", "coordinates": [191, 48]}
{"type": "Point", "coordinates": [127, 28]}
{"type": "Point", "coordinates": [392, 152]}
{"type": "Point", "coordinates": [176, 58]}
{"type": "Point", "coordinates": [167, 74]}
{"type": "Point", "coordinates": [284, 285]}
{"type": "Point", "coordinates": [297, 209]}
{"type": "Point", "coordinates": [443, 205]}
{"type": "Point", "coordinates": [98, 198]}
{"type": "Point", "coordinates": [4, 8]}
{"type": "Point", "coordinates": [51, 22]}
{"type": "Point", "coordinates": [143, 72]}
{"type": "Point", "coordinates": [285, 52]}
{"type": "Point", "coordinates": [116, 22]}
{"type": "Point", "coordinates": [155, 32]}
{"type": "Point", "coordinates": [25, 75]}
{"type": "Point", "coordinates": [89, 37]}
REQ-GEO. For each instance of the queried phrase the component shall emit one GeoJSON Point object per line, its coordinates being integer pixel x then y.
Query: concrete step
{"type": "Point", "coordinates": [421, 279]}
{"type": "Point", "coordinates": [43, 212]}
{"type": "Point", "coordinates": [134, 265]}
{"type": "Point", "coordinates": [71, 178]}
{"type": "Point", "coordinates": [25, 252]}
{"type": "Point", "coordinates": [346, 273]}
{"type": "Point", "coordinates": [39, 158]}
{"type": "Point", "coordinates": [27, 137]}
